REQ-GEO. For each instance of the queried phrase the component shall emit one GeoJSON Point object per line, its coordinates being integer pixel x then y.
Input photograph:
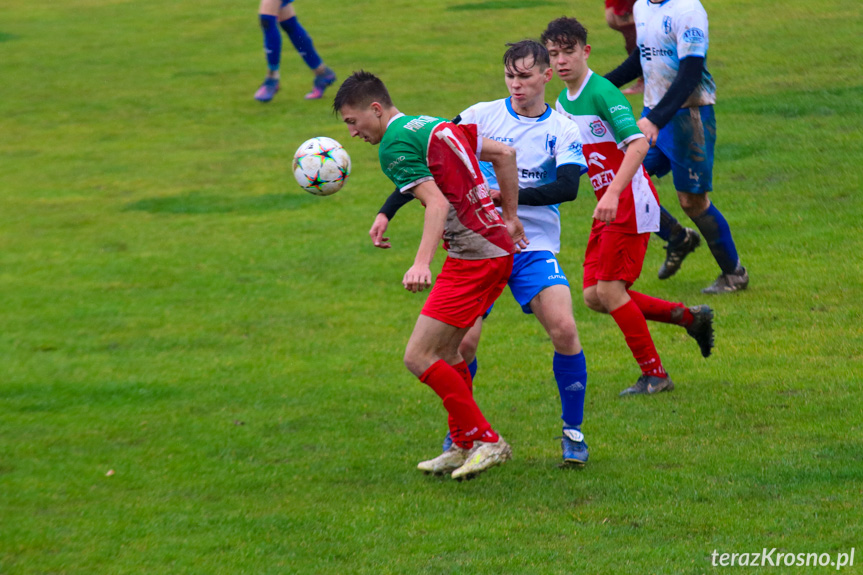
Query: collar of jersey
{"type": "Point", "coordinates": [574, 97]}
{"type": "Point", "coordinates": [513, 113]}
{"type": "Point", "coordinates": [393, 119]}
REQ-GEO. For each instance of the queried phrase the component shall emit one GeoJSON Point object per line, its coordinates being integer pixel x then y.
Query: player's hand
{"type": "Point", "coordinates": [417, 278]}
{"type": "Point", "coordinates": [495, 196]}
{"type": "Point", "coordinates": [649, 129]}
{"type": "Point", "coordinates": [378, 230]}
{"type": "Point", "coordinates": [606, 209]}
{"type": "Point", "coordinates": [516, 232]}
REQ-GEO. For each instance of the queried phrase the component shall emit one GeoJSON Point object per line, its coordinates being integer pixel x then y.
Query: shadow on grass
{"type": "Point", "coordinates": [194, 203]}
{"type": "Point", "coordinates": [501, 5]}
{"type": "Point", "coordinates": [6, 37]}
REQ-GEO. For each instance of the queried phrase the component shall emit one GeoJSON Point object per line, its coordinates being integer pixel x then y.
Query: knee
{"type": "Point", "coordinates": [611, 19]}
{"type": "Point", "coordinates": [693, 204]}
{"type": "Point", "coordinates": [592, 301]}
{"type": "Point", "coordinates": [563, 334]}
{"type": "Point", "coordinates": [467, 349]}
{"type": "Point", "coordinates": [416, 362]}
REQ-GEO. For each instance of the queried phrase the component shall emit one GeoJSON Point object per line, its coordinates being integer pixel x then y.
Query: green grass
{"type": "Point", "coordinates": [176, 310]}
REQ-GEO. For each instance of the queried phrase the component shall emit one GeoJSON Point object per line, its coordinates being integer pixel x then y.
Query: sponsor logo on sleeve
{"type": "Point", "coordinates": [693, 36]}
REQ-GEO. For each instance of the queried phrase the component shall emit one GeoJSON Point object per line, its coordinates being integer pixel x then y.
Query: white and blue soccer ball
{"type": "Point", "coordinates": [321, 166]}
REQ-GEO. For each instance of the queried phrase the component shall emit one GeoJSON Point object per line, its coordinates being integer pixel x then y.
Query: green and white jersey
{"type": "Point", "coordinates": [607, 125]}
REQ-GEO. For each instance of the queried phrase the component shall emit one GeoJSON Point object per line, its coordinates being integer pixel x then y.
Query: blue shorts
{"type": "Point", "coordinates": [685, 148]}
{"type": "Point", "coordinates": [286, 2]}
{"type": "Point", "coordinates": [532, 272]}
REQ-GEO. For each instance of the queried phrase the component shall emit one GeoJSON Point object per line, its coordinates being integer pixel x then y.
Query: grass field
{"type": "Point", "coordinates": [201, 364]}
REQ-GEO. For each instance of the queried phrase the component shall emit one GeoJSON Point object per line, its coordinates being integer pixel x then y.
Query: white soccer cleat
{"type": "Point", "coordinates": [483, 456]}
{"type": "Point", "coordinates": [451, 459]}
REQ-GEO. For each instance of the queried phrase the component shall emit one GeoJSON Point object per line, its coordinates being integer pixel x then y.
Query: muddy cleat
{"type": "Point", "coordinates": [675, 253]}
{"type": "Point", "coordinates": [449, 460]}
{"type": "Point", "coordinates": [727, 283]}
{"type": "Point", "coordinates": [483, 456]}
{"type": "Point", "coordinates": [574, 447]}
{"type": "Point", "coordinates": [321, 83]}
{"type": "Point", "coordinates": [701, 328]}
{"type": "Point", "coordinates": [268, 90]}
{"type": "Point", "coordinates": [648, 385]}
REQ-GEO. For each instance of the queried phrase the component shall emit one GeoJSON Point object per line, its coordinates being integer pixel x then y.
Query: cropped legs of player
{"type": "Point", "coordinates": [274, 14]}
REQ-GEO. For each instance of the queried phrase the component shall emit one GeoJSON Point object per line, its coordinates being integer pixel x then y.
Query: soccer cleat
{"type": "Point", "coordinates": [483, 456]}
{"type": "Point", "coordinates": [727, 283]}
{"type": "Point", "coordinates": [674, 253]}
{"type": "Point", "coordinates": [574, 447]}
{"type": "Point", "coordinates": [648, 385]}
{"type": "Point", "coordinates": [449, 460]}
{"type": "Point", "coordinates": [268, 90]}
{"type": "Point", "coordinates": [447, 441]}
{"type": "Point", "coordinates": [701, 328]}
{"type": "Point", "coordinates": [321, 83]}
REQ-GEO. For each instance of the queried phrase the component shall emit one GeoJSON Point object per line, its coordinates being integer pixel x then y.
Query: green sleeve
{"type": "Point", "coordinates": [615, 109]}
{"type": "Point", "coordinates": [404, 163]}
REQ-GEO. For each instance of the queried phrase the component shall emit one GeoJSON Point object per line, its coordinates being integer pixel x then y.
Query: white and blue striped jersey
{"type": "Point", "coordinates": [542, 144]}
{"type": "Point", "coordinates": [667, 33]}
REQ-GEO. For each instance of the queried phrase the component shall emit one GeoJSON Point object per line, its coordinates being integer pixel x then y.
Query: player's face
{"type": "Point", "coordinates": [568, 62]}
{"type": "Point", "coordinates": [526, 83]}
{"type": "Point", "coordinates": [364, 123]}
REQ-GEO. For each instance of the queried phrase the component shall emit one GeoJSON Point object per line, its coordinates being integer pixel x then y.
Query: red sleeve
{"type": "Point", "coordinates": [470, 132]}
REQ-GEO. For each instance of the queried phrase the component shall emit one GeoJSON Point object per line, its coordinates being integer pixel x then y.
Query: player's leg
{"type": "Point", "coordinates": [467, 349]}
{"type": "Point", "coordinates": [618, 16]}
{"type": "Point", "coordinates": [324, 76]}
{"type": "Point", "coordinates": [679, 241]}
{"type": "Point", "coordinates": [694, 137]}
{"type": "Point", "coordinates": [268, 13]}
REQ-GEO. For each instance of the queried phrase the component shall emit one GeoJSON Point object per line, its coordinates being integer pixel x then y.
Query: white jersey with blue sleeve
{"type": "Point", "coordinates": [542, 144]}
{"type": "Point", "coordinates": [667, 33]}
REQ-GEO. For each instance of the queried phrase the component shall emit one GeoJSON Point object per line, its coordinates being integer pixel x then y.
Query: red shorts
{"type": "Point", "coordinates": [620, 7]}
{"type": "Point", "coordinates": [465, 289]}
{"type": "Point", "coordinates": [612, 255]}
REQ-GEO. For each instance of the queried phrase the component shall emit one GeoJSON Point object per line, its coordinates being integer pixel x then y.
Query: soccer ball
{"type": "Point", "coordinates": [321, 166]}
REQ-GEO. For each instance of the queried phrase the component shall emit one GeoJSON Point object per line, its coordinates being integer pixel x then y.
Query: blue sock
{"type": "Point", "coordinates": [570, 372]}
{"type": "Point", "coordinates": [301, 41]}
{"type": "Point", "coordinates": [714, 227]}
{"type": "Point", "coordinates": [272, 41]}
{"type": "Point", "coordinates": [472, 368]}
{"type": "Point", "coordinates": [670, 229]}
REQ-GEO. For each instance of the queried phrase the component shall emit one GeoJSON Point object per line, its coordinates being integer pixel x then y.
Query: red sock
{"type": "Point", "coordinates": [464, 372]}
{"type": "Point", "coordinates": [655, 309]}
{"type": "Point", "coordinates": [466, 417]}
{"type": "Point", "coordinates": [631, 322]}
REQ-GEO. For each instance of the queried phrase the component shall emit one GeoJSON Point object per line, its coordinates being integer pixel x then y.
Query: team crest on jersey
{"type": "Point", "coordinates": [666, 24]}
{"type": "Point", "coordinates": [597, 128]}
{"type": "Point", "coordinates": [550, 143]}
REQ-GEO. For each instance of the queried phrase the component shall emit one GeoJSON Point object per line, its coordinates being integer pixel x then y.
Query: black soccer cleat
{"type": "Point", "coordinates": [729, 283]}
{"type": "Point", "coordinates": [648, 385]}
{"type": "Point", "coordinates": [675, 253]}
{"type": "Point", "coordinates": [701, 328]}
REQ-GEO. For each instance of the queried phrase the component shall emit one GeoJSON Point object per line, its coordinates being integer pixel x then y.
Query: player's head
{"type": "Point", "coordinates": [527, 71]}
{"type": "Point", "coordinates": [364, 102]}
{"type": "Point", "coordinates": [568, 50]}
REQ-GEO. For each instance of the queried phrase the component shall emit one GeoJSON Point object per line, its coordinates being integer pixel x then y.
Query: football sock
{"type": "Point", "coordinates": [670, 229]}
{"type": "Point", "coordinates": [458, 401]}
{"type": "Point", "coordinates": [472, 366]}
{"type": "Point", "coordinates": [655, 309]}
{"type": "Point", "coordinates": [301, 41]}
{"type": "Point", "coordinates": [272, 41]}
{"type": "Point", "coordinates": [464, 371]}
{"type": "Point", "coordinates": [570, 372]}
{"type": "Point", "coordinates": [631, 322]}
{"type": "Point", "coordinates": [714, 227]}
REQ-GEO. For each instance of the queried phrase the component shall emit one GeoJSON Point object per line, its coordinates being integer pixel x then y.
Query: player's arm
{"type": "Point", "coordinates": [628, 71]}
{"type": "Point", "coordinates": [418, 277]}
{"type": "Point", "coordinates": [563, 189]}
{"type": "Point", "coordinates": [387, 212]}
{"type": "Point", "coordinates": [502, 158]}
{"type": "Point", "coordinates": [688, 77]}
{"type": "Point", "coordinates": [606, 208]}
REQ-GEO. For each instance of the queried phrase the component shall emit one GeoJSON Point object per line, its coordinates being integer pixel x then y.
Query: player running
{"type": "Point", "coordinates": [550, 163]}
{"type": "Point", "coordinates": [435, 161]}
{"type": "Point", "coordinates": [275, 13]}
{"type": "Point", "coordinates": [679, 124]}
{"type": "Point", "coordinates": [626, 212]}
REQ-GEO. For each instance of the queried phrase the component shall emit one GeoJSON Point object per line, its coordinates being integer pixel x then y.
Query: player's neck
{"type": "Point", "coordinates": [532, 110]}
{"type": "Point", "coordinates": [574, 85]}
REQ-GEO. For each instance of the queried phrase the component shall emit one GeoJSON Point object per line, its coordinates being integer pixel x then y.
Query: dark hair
{"type": "Point", "coordinates": [565, 32]}
{"type": "Point", "coordinates": [359, 90]}
{"type": "Point", "coordinates": [526, 49]}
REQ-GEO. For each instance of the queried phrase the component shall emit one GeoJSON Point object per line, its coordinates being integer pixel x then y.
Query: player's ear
{"type": "Point", "coordinates": [377, 109]}
{"type": "Point", "coordinates": [548, 73]}
{"type": "Point", "coordinates": [586, 50]}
